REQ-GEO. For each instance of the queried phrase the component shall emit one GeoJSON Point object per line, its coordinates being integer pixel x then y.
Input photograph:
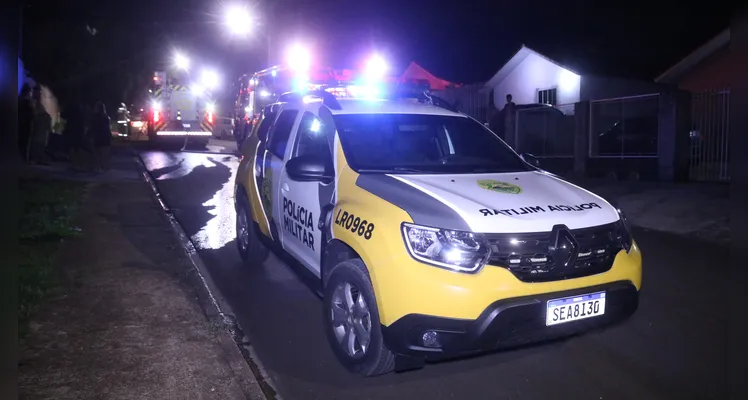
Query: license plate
{"type": "Point", "coordinates": [574, 308]}
{"type": "Point", "coordinates": [186, 125]}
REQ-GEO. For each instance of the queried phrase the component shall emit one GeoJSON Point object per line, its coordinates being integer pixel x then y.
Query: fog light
{"type": "Point", "coordinates": [430, 339]}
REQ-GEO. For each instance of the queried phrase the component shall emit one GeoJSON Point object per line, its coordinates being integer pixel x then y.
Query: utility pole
{"type": "Point", "coordinates": [269, 34]}
{"type": "Point", "coordinates": [22, 5]}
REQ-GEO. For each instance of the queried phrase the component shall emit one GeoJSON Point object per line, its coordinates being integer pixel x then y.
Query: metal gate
{"type": "Point", "coordinates": [709, 147]}
{"type": "Point", "coordinates": [545, 131]}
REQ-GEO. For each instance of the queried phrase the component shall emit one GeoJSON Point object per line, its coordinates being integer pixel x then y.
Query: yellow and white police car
{"type": "Point", "coordinates": [430, 237]}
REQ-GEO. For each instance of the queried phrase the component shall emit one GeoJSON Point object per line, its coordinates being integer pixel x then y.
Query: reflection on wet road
{"type": "Point", "coordinates": [667, 350]}
{"type": "Point", "coordinates": [196, 174]}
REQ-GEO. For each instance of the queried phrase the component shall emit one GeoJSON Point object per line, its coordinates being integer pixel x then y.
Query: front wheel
{"type": "Point", "coordinates": [251, 249]}
{"type": "Point", "coordinates": [352, 321]}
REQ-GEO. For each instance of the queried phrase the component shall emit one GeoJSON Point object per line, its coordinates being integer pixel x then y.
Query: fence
{"type": "Point", "coordinates": [709, 146]}
{"type": "Point", "coordinates": [624, 127]}
{"type": "Point", "coordinates": [468, 99]}
{"type": "Point", "coordinates": [546, 132]}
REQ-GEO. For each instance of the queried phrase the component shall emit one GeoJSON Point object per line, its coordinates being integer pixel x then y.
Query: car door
{"type": "Point", "coordinates": [274, 159]}
{"type": "Point", "coordinates": [257, 150]}
{"type": "Point", "coordinates": [301, 202]}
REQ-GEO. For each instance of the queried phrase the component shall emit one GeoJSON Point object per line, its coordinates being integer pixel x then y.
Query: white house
{"type": "Point", "coordinates": [530, 77]}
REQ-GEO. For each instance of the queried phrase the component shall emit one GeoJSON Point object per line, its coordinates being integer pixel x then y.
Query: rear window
{"type": "Point", "coordinates": [265, 123]}
{"type": "Point", "coordinates": [279, 138]}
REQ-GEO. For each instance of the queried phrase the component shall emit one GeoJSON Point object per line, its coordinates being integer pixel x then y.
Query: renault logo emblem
{"type": "Point", "coordinates": [563, 248]}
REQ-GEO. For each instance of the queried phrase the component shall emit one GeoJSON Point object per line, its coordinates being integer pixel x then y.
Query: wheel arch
{"type": "Point", "coordinates": [335, 252]}
{"type": "Point", "coordinates": [240, 193]}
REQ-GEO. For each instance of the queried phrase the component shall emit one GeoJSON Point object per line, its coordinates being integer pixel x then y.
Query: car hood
{"type": "Point", "coordinates": [513, 202]}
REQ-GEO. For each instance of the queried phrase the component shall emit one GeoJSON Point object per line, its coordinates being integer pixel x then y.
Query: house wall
{"type": "Point", "coordinates": [717, 71]}
{"type": "Point", "coordinates": [537, 73]}
{"type": "Point", "coordinates": [602, 88]}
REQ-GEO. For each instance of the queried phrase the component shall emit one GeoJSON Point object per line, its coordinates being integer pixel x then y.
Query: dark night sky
{"type": "Point", "coordinates": [463, 41]}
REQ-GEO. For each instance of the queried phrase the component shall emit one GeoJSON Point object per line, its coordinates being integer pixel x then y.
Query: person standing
{"type": "Point", "coordinates": [74, 134]}
{"type": "Point", "coordinates": [40, 128]}
{"type": "Point", "coordinates": [101, 133]}
{"type": "Point", "coordinates": [25, 121]}
{"type": "Point", "coordinates": [509, 114]}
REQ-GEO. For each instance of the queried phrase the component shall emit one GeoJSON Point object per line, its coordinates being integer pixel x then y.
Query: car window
{"type": "Point", "coordinates": [423, 143]}
{"type": "Point", "coordinates": [310, 139]}
{"type": "Point", "coordinates": [265, 123]}
{"type": "Point", "coordinates": [281, 131]}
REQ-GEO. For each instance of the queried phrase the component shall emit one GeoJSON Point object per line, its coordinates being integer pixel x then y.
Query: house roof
{"type": "Point", "coordinates": [514, 61]}
{"type": "Point", "coordinates": [417, 72]}
{"type": "Point", "coordinates": [697, 56]}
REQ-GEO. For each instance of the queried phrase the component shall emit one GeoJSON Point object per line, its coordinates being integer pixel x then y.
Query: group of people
{"type": "Point", "coordinates": [87, 135]}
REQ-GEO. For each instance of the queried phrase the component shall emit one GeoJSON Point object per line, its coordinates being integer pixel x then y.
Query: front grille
{"type": "Point", "coordinates": [527, 255]}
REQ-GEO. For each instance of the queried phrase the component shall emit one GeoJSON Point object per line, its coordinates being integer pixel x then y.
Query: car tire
{"type": "Point", "coordinates": [251, 249]}
{"type": "Point", "coordinates": [350, 316]}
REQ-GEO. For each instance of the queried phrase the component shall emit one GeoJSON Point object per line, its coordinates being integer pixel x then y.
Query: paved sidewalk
{"type": "Point", "coordinates": [129, 325]}
{"type": "Point", "coordinates": [695, 209]}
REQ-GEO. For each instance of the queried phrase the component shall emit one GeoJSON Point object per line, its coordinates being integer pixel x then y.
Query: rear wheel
{"type": "Point", "coordinates": [251, 249]}
{"type": "Point", "coordinates": [352, 321]}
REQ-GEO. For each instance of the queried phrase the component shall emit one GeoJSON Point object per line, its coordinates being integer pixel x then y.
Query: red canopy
{"type": "Point", "coordinates": [415, 72]}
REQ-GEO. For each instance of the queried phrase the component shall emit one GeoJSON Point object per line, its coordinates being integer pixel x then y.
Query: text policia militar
{"type": "Point", "coordinates": [536, 209]}
{"type": "Point", "coordinates": [299, 222]}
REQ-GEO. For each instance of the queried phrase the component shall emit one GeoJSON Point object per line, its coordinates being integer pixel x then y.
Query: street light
{"type": "Point", "coordinates": [298, 58]}
{"type": "Point", "coordinates": [238, 20]}
{"type": "Point", "coordinates": [181, 61]}
{"type": "Point", "coordinates": [209, 79]}
{"type": "Point", "coordinates": [197, 90]}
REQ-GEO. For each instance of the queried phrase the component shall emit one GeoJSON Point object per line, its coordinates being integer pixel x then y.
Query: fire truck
{"type": "Point", "coordinates": [180, 110]}
{"type": "Point", "coordinates": [257, 90]}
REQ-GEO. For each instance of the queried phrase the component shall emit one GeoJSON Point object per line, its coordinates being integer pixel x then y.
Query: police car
{"type": "Point", "coordinates": [429, 236]}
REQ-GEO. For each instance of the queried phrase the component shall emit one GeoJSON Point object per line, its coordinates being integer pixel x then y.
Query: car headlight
{"type": "Point", "coordinates": [453, 250]}
{"type": "Point", "coordinates": [626, 239]}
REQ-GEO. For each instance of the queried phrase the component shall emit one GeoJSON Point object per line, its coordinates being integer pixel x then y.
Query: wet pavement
{"type": "Point", "coordinates": [672, 348]}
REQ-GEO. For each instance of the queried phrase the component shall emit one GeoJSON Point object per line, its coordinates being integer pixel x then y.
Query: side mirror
{"type": "Point", "coordinates": [530, 159]}
{"type": "Point", "coordinates": [310, 169]}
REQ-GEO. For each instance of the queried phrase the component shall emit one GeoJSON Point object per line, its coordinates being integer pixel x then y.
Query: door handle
{"type": "Point", "coordinates": [284, 187]}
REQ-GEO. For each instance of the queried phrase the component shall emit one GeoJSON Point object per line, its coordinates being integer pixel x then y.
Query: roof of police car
{"type": "Point", "coordinates": [401, 106]}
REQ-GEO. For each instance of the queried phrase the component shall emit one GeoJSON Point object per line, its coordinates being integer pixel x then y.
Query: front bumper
{"type": "Point", "coordinates": [505, 323]}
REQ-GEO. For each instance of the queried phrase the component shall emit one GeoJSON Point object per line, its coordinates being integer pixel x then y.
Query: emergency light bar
{"type": "Point", "coordinates": [370, 82]}
{"type": "Point", "coordinates": [330, 95]}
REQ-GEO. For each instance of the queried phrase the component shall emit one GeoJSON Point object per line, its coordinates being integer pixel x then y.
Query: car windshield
{"type": "Point", "coordinates": [415, 143]}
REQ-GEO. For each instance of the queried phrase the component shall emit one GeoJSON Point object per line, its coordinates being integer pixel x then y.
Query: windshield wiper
{"type": "Point", "coordinates": [494, 170]}
{"type": "Point", "coordinates": [390, 170]}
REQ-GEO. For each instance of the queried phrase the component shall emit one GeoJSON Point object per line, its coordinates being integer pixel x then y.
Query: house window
{"type": "Point", "coordinates": [547, 96]}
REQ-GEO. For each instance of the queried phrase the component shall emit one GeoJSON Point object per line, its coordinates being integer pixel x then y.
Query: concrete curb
{"type": "Point", "coordinates": [252, 376]}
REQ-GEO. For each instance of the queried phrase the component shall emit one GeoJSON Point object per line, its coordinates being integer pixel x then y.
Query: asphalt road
{"type": "Point", "coordinates": [674, 347]}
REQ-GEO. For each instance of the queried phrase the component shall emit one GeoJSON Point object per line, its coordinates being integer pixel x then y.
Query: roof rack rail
{"type": "Point", "coordinates": [439, 102]}
{"type": "Point", "coordinates": [328, 99]}
{"type": "Point", "coordinates": [424, 96]}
